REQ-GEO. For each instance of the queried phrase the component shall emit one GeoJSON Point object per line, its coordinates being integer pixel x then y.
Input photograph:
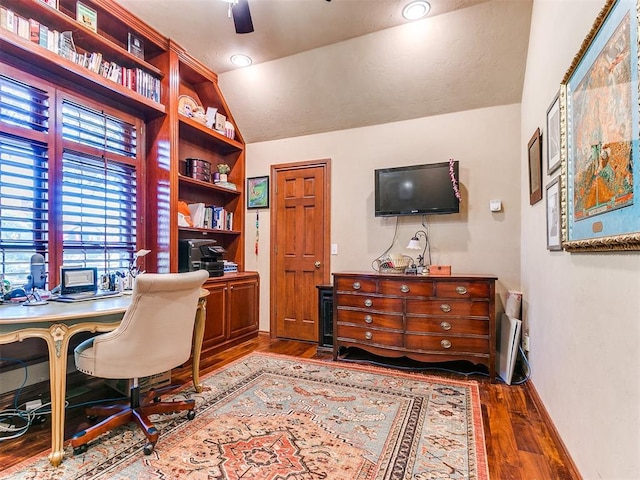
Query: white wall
{"type": "Point", "coordinates": [484, 141]}
{"type": "Point", "coordinates": [582, 310]}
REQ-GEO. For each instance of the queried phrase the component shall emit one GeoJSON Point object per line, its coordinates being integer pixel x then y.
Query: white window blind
{"type": "Point", "coordinates": [99, 186]}
{"type": "Point", "coordinates": [24, 177]}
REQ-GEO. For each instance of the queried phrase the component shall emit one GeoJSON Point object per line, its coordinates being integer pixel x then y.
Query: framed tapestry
{"type": "Point", "coordinates": [599, 134]}
{"type": "Point", "coordinates": [258, 192]}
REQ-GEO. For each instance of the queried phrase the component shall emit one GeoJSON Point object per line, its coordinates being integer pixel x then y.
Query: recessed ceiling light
{"type": "Point", "coordinates": [241, 60]}
{"type": "Point", "coordinates": [415, 10]}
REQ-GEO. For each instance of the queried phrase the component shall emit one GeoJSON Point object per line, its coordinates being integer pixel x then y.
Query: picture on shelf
{"type": "Point", "coordinates": [87, 16]}
{"type": "Point", "coordinates": [51, 3]}
{"type": "Point", "coordinates": [136, 46]}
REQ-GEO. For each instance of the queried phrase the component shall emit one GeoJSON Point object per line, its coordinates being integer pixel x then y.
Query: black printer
{"type": "Point", "coordinates": [197, 254]}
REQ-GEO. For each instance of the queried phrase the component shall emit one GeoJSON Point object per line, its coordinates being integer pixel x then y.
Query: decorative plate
{"type": "Point", "coordinates": [188, 107]}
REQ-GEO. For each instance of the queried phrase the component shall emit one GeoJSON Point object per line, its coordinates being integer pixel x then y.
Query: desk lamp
{"type": "Point", "coordinates": [414, 244]}
{"type": "Point", "coordinates": [133, 269]}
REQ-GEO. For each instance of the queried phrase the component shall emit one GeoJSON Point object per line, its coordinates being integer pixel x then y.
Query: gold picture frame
{"type": "Point", "coordinates": [599, 136]}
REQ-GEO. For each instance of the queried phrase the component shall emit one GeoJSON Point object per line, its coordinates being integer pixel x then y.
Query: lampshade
{"type": "Point", "coordinates": [414, 244]}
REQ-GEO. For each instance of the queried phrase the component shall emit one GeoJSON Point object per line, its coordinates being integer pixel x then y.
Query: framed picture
{"type": "Point", "coordinates": [135, 46]}
{"type": "Point", "coordinates": [87, 16]}
{"type": "Point", "coordinates": [258, 192]}
{"type": "Point", "coordinates": [51, 3]}
{"type": "Point", "coordinates": [599, 132]}
{"type": "Point", "coordinates": [535, 168]}
{"type": "Point", "coordinates": [554, 232]}
{"type": "Point", "coordinates": [553, 135]}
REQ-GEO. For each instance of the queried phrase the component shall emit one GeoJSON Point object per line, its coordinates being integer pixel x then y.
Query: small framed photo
{"type": "Point", "coordinates": [554, 237]}
{"type": "Point", "coordinates": [136, 46]}
{"type": "Point", "coordinates": [553, 135]}
{"type": "Point", "coordinates": [87, 16]}
{"type": "Point", "coordinates": [258, 192]}
{"type": "Point", "coordinates": [535, 168]}
{"type": "Point", "coordinates": [51, 3]}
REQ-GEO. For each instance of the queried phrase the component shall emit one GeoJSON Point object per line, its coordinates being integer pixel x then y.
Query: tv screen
{"type": "Point", "coordinates": [415, 190]}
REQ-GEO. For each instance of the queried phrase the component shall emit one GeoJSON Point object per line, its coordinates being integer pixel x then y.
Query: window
{"type": "Point", "coordinates": [69, 190]}
{"type": "Point", "coordinates": [98, 189]}
{"type": "Point", "coordinates": [24, 182]}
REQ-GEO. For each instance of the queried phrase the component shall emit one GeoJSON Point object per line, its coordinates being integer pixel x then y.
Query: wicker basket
{"type": "Point", "coordinates": [394, 263]}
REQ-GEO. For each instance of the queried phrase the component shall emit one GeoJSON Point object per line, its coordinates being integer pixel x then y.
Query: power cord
{"type": "Point", "coordinates": [15, 422]}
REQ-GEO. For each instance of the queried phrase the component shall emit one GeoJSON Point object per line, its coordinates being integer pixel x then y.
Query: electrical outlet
{"type": "Point", "coordinates": [526, 345]}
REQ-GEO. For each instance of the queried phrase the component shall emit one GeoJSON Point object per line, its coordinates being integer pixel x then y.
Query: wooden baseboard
{"type": "Point", "coordinates": [566, 460]}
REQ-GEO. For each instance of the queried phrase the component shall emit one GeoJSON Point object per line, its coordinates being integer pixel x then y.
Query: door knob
{"type": "Point", "coordinates": [317, 264]}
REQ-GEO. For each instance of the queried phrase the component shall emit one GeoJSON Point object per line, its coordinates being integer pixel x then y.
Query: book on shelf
{"type": "Point", "coordinates": [135, 46]}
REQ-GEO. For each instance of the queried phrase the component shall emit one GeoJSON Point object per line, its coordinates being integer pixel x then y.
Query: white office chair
{"type": "Point", "coordinates": [155, 336]}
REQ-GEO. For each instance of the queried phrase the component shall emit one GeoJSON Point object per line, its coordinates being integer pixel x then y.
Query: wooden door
{"type": "Point", "coordinates": [300, 247]}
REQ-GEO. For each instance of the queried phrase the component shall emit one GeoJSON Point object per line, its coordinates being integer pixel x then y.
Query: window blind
{"type": "Point", "coordinates": [99, 186]}
{"type": "Point", "coordinates": [24, 177]}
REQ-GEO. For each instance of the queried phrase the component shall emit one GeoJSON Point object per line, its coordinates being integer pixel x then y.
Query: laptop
{"type": "Point", "coordinates": [79, 284]}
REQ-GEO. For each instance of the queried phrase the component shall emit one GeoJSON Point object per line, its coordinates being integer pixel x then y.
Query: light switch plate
{"type": "Point", "coordinates": [495, 205]}
{"type": "Point", "coordinates": [334, 249]}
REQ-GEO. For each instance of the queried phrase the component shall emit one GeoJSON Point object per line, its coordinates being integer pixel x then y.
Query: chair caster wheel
{"type": "Point", "coordinates": [191, 414]}
{"type": "Point", "coordinates": [148, 448]}
{"type": "Point", "coordinates": [80, 450]}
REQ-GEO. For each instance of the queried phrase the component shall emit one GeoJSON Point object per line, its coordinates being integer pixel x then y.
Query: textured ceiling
{"type": "Point", "coordinates": [321, 66]}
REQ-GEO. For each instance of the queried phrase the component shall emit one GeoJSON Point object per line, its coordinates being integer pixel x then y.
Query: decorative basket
{"type": "Point", "coordinates": [394, 263]}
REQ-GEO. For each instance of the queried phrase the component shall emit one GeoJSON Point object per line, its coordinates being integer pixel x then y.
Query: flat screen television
{"type": "Point", "coordinates": [416, 190]}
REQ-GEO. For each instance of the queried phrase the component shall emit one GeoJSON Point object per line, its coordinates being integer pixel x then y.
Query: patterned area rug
{"type": "Point", "coordinates": [272, 417]}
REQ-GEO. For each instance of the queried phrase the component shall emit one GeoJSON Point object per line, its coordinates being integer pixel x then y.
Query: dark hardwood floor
{"type": "Point", "coordinates": [521, 442]}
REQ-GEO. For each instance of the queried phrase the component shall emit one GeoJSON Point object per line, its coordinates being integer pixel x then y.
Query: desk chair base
{"type": "Point", "coordinates": [137, 411]}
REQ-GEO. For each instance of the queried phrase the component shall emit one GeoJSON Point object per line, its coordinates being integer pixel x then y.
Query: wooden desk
{"type": "Point", "coordinates": [56, 323]}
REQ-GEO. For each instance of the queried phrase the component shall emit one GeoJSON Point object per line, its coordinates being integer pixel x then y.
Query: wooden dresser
{"type": "Point", "coordinates": [422, 317]}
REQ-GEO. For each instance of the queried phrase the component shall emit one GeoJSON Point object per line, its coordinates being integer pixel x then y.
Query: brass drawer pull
{"type": "Point", "coordinates": [461, 290]}
{"type": "Point", "coordinates": [445, 344]}
{"type": "Point", "coordinates": [368, 319]}
{"type": "Point", "coordinates": [445, 307]}
{"type": "Point", "coordinates": [404, 288]}
{"type": "Point", "coordinates": [356, 285]}
{"type": "Point", "coordinates": [445, 326]}
{"type": "Point", "coordinates": [368, 335]}
{"type": "Point", "coordinates": [368, 302]}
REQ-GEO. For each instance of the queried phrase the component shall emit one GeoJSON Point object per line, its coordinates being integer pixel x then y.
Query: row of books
{"type": "Point", "coordinates": [61, 43]}
{"type": "Point", "coordinates": [210, 216]}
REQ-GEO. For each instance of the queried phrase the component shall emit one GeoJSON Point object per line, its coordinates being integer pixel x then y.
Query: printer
{"type": "Point", "coordinates": [197, 254]}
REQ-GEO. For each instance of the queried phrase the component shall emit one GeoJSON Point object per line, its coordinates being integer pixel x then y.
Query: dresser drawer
{"type": "Point", "coordinates": [371, 336]}
{"type": "Point", "coordinates": [370, 302]}
{"type": "Point", "coordinates": [449, 344]}
{"type": "Point", "coordinates": [467, 308]}
{"type": "Point", "coordinates": [355, 284]}
{"type": "Point", "coordinates": [367, 319]}
{"type": "Point", "coordinates": [453, 326]}
{"type": "Point", "coordinates": [407, 288]}
{"type": "Point", "coordinates": [462, 289]}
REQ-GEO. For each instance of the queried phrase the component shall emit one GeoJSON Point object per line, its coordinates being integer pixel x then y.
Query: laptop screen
{"type": "Point", "coordinates": [78, 280]}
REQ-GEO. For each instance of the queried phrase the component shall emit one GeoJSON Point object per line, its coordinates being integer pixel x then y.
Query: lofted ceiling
{"type": "Point", "coordinates": [320, 66]}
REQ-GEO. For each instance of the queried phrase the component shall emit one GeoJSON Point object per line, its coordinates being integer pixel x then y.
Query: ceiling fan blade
{"type": "Point", "coordinates": [242, 17]}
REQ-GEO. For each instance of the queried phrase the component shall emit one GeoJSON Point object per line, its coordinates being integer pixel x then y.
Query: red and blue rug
{"type": "Point", "coordinates": [272, 417]}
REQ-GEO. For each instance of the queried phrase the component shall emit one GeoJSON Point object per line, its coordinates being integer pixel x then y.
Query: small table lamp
{"type": "Point", "coordinates": [414, 244]}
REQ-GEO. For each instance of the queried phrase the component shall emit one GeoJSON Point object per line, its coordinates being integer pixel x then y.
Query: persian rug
{"type": "Point", "coordinates": [273, 417]}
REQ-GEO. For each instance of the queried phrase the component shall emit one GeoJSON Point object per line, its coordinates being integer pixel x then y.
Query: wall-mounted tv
{"type": "Point", "coordinates": [416, 190]}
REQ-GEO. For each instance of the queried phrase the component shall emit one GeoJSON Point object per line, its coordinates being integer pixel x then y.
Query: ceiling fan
{"type": "Point", "coordinates": [241, 15]}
